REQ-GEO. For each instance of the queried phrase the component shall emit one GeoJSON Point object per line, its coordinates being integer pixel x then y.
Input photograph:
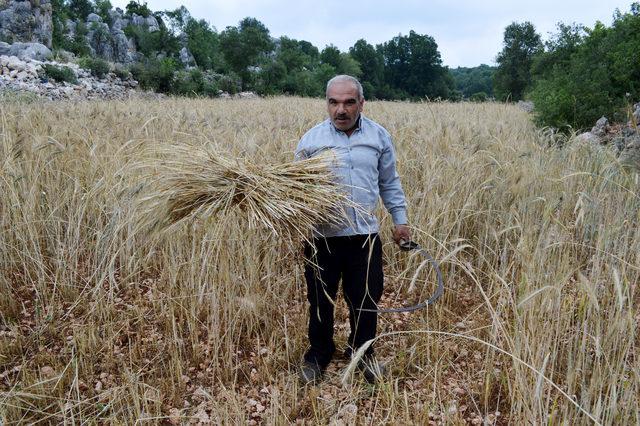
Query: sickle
{"type": "Point", "coordinates": [408, 246]}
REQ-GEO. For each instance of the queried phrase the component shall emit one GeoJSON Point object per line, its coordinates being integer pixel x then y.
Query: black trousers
{"type": "Point", "coordinates": [357, 260]}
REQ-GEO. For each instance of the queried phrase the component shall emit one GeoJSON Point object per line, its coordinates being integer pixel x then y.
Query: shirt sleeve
{"type": "Point", "coordinates": [300, 153]}
{"type": "Point", "coordinates": [389, 184]}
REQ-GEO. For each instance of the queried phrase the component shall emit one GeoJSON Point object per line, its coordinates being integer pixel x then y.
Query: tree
{"type": "Point", "coordinates": [59, 14]}
{"type": "Point", "coordinates": [80, 9]}
{"type": "Point", "coordinates": [520, 45]}
{"type": "Point", "coordinates": [342, 62]}
{"type": "Point", "coordinates": [102, 8]}
{"type": "Point", "coordinates": [138, 8]}
{"type": "Point", "coordinates": [589, 73]}
{"type": "Point", "coordinates": [244, 46]}
{"type": "Point", "coordinates": [330, 55]}
{"type": "Point", "coordinates": [469, 81]}
{"type": "Point", "coordinates": [413, 67]}
{"type": "Point", "coordinates": [372, 65]}
{"type": "Point", "coordinates": [203, 43]}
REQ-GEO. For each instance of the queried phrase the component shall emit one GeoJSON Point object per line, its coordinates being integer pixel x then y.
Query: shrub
{"type": "Point", "coordinates": [98, 67]}
{"type": "Point", "coordinates": [156, 74]}
{"type": "Point", "coordinates": [194, 82]}
{"type": "Point", "coordinates": [478, 97]}
{"type": "Point", "coordinates": [77, 44]}
{"type": "Point", "coordinates": [121, 72]}
{"type": "Point", "coordinates": [60, 74]}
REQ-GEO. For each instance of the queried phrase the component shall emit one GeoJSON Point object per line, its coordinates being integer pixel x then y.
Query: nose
{"type": "Point", "coordinates": [340, 109]}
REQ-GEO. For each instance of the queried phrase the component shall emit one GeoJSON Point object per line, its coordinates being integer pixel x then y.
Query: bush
{"type": "Point", "coordinates": [478, 97]}
{"type": "Point", "coordinates": [60, 74]}
{"type": "Point", "coordinates": [138, 8]}
{"type": "Point", "coordinates": [194, 82]}
{"type": "Point", "coordinates": [155, 74]}
{"type": "Point", "coordinates": [77, 44]}
{"type": "Point", "coordinates": [121, 72]}
{"type": "Point", "coordinates": [98, 67]}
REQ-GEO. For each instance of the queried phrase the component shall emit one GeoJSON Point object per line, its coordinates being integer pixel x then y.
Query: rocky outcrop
{"type": "Point", "coordinates": [623, 139]}
{"type": "Point", "coordinates": [598, 133]}
{"type": "Point", "coordinates": [187, 58]}
{"type": "Point", "coordinates": [30, 22]}
{"type": "Point", "coordinates": [26, 21]}
{"type": "Point", "coordinates": [630, 155]}
{"type": "Point", "coordinates": [526, 106]}
{"type": "Point", "coordinates": [28, 76]}
{"type": "Point", "coordinates": [25, 51]}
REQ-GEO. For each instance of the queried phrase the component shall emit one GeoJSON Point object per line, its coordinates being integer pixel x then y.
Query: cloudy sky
{"type": "Point", "coordinates": [467, 32]}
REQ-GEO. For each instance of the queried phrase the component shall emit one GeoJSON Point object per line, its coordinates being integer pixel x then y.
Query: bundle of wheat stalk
{"type": "Point", "coordinates": [287, 199]}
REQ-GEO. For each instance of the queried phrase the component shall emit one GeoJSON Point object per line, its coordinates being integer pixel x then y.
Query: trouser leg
{"type": "Point", "coordinates": [322, 274]}
{"type": "Point", "coordinates": [362, 285]}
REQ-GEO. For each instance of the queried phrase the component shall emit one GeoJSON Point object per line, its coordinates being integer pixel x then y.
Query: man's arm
{"type": "Point", "coordinates": [391, 192]}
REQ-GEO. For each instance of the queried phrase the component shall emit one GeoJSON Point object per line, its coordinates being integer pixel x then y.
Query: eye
{"type": "Point", "coordinates": [351, 101]}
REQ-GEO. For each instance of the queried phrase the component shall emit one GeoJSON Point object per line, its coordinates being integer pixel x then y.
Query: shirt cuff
{"type": "Point", "coordinates": [399, 217]}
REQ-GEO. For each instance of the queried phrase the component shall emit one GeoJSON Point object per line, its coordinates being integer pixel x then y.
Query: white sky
{"type": "Point", "coordinates": [467, 32]}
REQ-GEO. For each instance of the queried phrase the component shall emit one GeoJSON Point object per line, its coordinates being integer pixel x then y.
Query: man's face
{"type": "Point", "coordinates": [343, 105]}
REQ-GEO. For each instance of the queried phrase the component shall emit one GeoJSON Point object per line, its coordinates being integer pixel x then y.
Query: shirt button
{"type": "Point", "coordinates": [352, 167]}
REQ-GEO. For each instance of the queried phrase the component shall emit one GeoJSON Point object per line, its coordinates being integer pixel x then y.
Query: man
{"type": "Point", "coordinates": [352, 251]}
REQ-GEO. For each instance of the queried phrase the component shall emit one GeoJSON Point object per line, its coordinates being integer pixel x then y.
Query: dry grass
{"type": "Point", "coordinates": [540, 248]}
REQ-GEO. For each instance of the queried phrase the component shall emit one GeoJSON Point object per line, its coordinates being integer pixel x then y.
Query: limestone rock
{"type": "Point", "coordinates": [152, 24]}
{"type": "Point", "coordinates": [601, 127]}
{"type": "Point", "coordinates": [26, 21]}
{"type": "Point", "coordinates": [526, 106]}
{"type": "Point", "coordinates": [187, 58]}
{"type": "Point", "coordinates": [25, 51]}
{"type": "Point", "coordinates": [100, 40]}
{"type": "Point", "coordinates": [587, 137]}
{"type": "Point", "coordinates": [92, 17]}
{"type": "Point", "coordinates": [246, 95]}
{"type": "Point", "coordinates": [630, 156]}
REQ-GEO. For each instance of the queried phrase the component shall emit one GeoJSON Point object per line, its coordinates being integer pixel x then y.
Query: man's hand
{"type": "Point", "coordinates": [401, 232]}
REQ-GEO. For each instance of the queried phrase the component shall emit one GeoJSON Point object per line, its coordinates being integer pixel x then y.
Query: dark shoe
{"type": "Point", "coordinates": [310, 373]}
{"type": "Point", "coordinates": [348, 352]}
{"type": "Point", "coordinates": [372, 370]}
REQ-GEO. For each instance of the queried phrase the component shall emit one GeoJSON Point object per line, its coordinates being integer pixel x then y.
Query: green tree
{"type": "Point", "coordinates": [586, 73]}
{"type": "Point", "coordinates": [102, 8]}
{"type": "Point", "coordinates": [413, 68]}
{"type": "Point", "coordinates": [469, 81]}
{"type": "Point", "coordinates": [289, 69]}
{"type": "Point", "coordinates": [59, 14]}
{"type": "Point", "coordinates": [203, 43]}
{"type": "Point", "coordinates": [245, 46]}
{"type": "Point", "coordinates": [521, 43]}
{"type": "Point", "coordinates": [372, 66]}
{"type": "Point", "coordinates": [343, 62]}
{"type": "Point", "coordinates": [138, 8]}
{"type": "Point", "coordinates": [80, 9]}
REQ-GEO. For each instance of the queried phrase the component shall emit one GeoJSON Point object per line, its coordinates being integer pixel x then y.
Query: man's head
{"type": "Point", "coordinates": [345, 101]}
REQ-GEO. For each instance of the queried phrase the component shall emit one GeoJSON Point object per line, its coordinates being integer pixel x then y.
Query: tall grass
{"type": "Point", "coordinates": [540, 248]}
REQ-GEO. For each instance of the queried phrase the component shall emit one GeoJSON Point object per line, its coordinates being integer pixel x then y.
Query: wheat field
{"type": "Point", "coordinates": [104, 322]}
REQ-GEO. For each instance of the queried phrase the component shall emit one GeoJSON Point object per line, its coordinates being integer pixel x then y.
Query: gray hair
{"type": "Point", "coordinates": [343, 78]}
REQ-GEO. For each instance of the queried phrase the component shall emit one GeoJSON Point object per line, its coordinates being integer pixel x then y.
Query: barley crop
{"type": "Point", "coordinates": [105, 320]}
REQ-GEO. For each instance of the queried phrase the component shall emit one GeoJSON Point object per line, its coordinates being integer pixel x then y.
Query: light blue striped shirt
{"type": "Point", "coordinates": [366, 168]}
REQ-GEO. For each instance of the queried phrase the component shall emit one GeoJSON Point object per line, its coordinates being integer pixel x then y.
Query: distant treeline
{"type": "Point", "coordinates": [246, 57]}
{"type": "Point", "coordinates": [578, 75]}
{"type": "Point", "coordinates": [575, 77]}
